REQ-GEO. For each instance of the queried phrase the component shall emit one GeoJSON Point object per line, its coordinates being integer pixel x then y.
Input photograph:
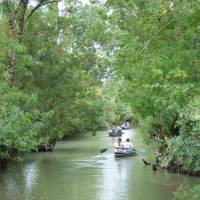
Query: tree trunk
{"type": "Point", "coordinates": [15, 32]}
{"type": "Point", "coordinates": [21, 22]}
{"type": "Point", "coordinates": [11, 60]}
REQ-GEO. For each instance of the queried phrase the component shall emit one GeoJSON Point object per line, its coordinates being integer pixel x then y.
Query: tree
{"type": "Point", "coordinates": [158, 57]}
{"type": "Point", "coordinates": [16, 16]}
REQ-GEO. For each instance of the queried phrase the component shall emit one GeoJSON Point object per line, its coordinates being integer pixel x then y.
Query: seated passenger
{"type": "Point", "coordinates": [119, 145]}
{"type": "Point", "coordinates": [128, 145]}
{"type": "Point", "coordinates": [109, 130]}
{"type": "Point", "coordinates": [119, 128]}
{"type": "Point", "coordinates": [128, 125]}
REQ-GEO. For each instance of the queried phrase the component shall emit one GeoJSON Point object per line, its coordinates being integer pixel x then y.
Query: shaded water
{"type": "Point", "coordinates": [76, 170]}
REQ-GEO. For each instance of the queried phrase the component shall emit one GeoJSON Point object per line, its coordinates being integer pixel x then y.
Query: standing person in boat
{"type": "Point", "coordinates": [128, 145]}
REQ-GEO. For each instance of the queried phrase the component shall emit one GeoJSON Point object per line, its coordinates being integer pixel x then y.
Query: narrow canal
{"type": "Point", "coordinates": [77, 170]}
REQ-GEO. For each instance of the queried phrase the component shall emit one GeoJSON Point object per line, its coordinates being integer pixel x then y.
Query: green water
{"type": "Point", "coordinates": [77, 171]}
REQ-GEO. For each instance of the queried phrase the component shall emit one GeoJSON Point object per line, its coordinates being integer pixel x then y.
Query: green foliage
{"type": "Point", "coordinates": [187, 194]}
{"type": "Point", "coordinates": [184, 149]}
{"type": "Point", "coordinates": [115, 110]}
{"type": "Point", "coordinates": [157, 54]}
{"type": "Point", "coordinates": [65, 71]}
{"type": "Point", "coordinates": [181, 194]}
{"type": "Point", "coordinates": [20, 122]}
{"type": "Point", "coordinates": [59, 64]}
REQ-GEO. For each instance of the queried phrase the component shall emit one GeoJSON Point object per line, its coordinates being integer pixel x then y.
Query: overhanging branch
{"type": "Point", "coordinates": [40, 5]}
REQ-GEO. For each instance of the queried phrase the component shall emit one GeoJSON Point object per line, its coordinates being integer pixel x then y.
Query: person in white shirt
{"type": "Point", "coordinates": [128, 145]}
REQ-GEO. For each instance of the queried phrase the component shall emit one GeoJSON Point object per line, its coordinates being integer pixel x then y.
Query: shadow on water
{"type": "Point", "coordinates": [76, 170]}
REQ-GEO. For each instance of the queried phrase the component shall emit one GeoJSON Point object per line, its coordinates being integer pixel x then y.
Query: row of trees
{"type": "Point", "coordinates": [157, 54]}
{"type": "Point", "coordinates": [54, 77]}
{"type": "Point", "coordinates": [68, 69]}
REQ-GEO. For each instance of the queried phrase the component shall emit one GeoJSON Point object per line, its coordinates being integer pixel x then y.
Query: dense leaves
{"type": "Point", "coordinates": [158, 56]}
{"type": "Point", "coordinates": [186, 194]}
{"type": "Point", "coordinates": [52, 73]}
{"type": "Point", "coordinates": [183, 150]}
{"type": "Point", "coordinates": [21, 123]}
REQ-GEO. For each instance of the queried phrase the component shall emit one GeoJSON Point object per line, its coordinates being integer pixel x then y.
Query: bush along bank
{"type": "Point", "coordinates": [180, 153]}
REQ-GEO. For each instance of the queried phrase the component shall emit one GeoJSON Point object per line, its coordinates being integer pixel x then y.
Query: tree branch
{"type": "Point", "coordinates": [21, 20]}
{"type": "Point", "coordinates": [38, 6]}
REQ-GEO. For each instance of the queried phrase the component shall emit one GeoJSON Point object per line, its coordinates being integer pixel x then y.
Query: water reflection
{"type": "Point", "coordinates": [114, 179]}
{"type": "Point", "coordinates": [17, 182]}
{"type": "Point", "coordinates": [30, 176]}
{"type": "Point", "coordinates": [114, 182]}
